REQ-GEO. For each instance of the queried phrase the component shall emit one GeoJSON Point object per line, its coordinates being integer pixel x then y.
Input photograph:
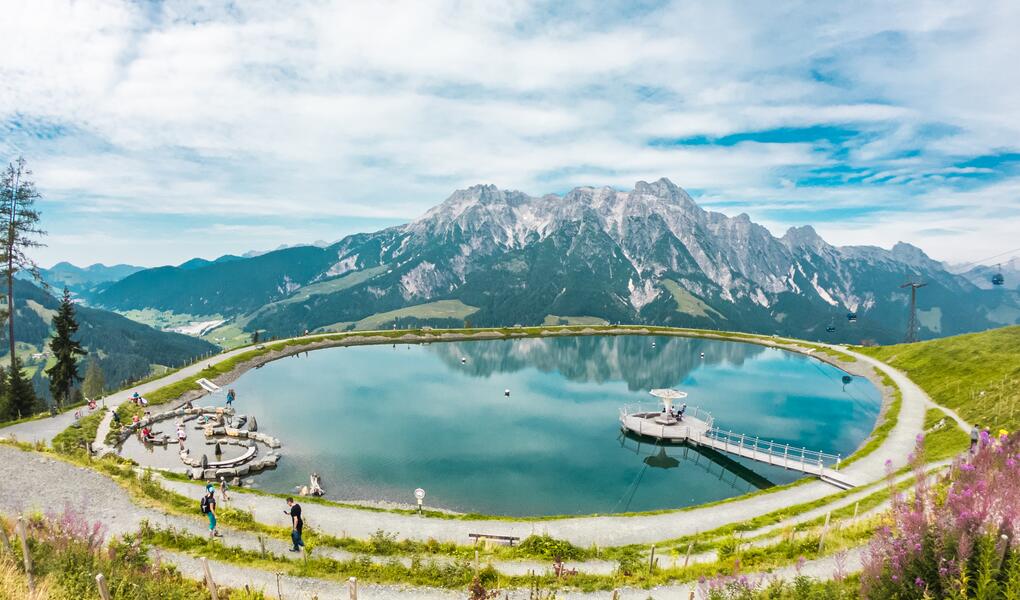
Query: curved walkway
{"type": "Point", "coordinates": [583, 531]}
{"type": "Point", "coordinates": [46, 428]}
{"type": "Point", "coordinates": [611, 530]}
{"type": "Point", "coordinates": [57, 486]}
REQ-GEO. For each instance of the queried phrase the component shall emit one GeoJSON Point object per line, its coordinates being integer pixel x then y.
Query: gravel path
{"type": "Point", "coordinates": [306, 588]}
{"type": "Point", "coordinates": [609, 530]}
{"type": "Point", "coordinates": [36, 482]}
{"type": "Point", "coordinates": [33, 481]}
{"type": "Point", "coordinates": [46, 428]}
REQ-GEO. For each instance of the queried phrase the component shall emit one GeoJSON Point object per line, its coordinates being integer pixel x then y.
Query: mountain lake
{"type": "Point", "coordinates": [376, 422]}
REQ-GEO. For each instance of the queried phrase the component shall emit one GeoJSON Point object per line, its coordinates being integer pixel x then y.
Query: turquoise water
{"type": "Point", "coordinates": [379, 421]}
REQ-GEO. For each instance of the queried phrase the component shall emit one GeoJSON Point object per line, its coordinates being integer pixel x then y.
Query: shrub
{"type": "Point", "coordinates": [68, 551]}
{"type": "Point", "coordinates": [955, 538]}
{"type": "Point", "coordinates": [546, 546]}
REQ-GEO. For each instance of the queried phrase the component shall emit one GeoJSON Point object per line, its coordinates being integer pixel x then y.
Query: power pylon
{"type": "Point", "coordinates": [912, 327]}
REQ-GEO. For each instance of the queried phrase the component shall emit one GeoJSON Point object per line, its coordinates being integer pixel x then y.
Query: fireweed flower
{"type": "Point", "coordinates": [950, 531]}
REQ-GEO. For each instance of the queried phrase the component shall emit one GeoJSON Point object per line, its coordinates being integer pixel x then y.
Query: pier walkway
{"type": "Point", "coordinates": [697, 428]}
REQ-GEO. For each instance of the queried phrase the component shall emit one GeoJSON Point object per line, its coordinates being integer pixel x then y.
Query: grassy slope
{"type": "Point", "coordinates": [976, 374]}
{"type": "Point", "coordinates": [580, 320]}
{"type": "Point", "coordinates": [688, 303]}
{"type": "Point", "coordinates": [443, 309]}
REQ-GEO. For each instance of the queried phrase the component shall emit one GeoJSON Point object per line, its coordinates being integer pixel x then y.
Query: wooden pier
{"type": "Point", "coordinates": [697, 427]}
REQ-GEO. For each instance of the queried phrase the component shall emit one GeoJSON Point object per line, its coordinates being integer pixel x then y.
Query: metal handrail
{"type": "Point", "coordinates": [784, 451]}
{"type": "Point", "coordinates": [761, 450]}
{"type": "Point", "coordinates": [656, 407]}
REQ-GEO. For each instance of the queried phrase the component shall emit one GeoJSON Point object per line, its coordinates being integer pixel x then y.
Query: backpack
{"type": "Point", "coordinates": [204, 505]}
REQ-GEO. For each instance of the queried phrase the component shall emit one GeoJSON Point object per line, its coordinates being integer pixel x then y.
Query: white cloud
{"type": "Point", "coordinates": [381, 109]}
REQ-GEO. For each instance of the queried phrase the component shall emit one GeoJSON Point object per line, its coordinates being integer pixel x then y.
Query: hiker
{"type": "Point", "coordinates": [230, 397]}
{"type": "Point", "coordinates": [116, 418]}
{"type": "Point", "coordinates": [223, 489]}
{"type": "Point", "coordinates": [208, 506]}
{"type": "Point", "coordinates": [297, 524]}
{"type": "Point", "coordinates": [181, 434]}
{"type": "Point", "coordinates": [975, 434]}
{"type": "Point", "coordinates": [680, 413]}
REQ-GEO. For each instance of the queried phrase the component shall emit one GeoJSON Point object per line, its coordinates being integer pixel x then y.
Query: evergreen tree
{"type": "Point", "coordinates": [95, 382]}
{"type": "Point", "coordinates": [19, 231]}
{"type": "Point", "coordinates": [64, 373]}
{"type": "Point", "coordinates": [20, 395]}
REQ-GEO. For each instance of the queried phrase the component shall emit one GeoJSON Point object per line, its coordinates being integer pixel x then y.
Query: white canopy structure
{"type": "Point", "coordinates": [668, 396]}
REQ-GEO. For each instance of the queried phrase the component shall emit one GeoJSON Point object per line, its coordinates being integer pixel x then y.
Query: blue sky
{"type": "Point", "coordinates": [163, 131]}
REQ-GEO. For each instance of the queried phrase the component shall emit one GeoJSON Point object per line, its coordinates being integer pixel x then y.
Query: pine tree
{"type": "Point", "coordinates": [95, 383]}
{"type": "Point", "coordinates": [20, 395]}
{"type": "Point", "coordinates": [19, 231]}
{"type": "Point", "coordinates": [64, 373]}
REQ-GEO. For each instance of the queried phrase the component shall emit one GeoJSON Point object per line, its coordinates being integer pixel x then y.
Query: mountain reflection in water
{"type": "Point", "coordinates": [598, 359]}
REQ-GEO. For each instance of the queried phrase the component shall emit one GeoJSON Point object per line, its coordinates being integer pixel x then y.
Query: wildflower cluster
{"type": "Point", "coordinates": [955, 537]}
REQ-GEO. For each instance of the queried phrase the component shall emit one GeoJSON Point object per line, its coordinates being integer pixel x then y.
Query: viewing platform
{"type": "Point", "coordinates": [664, 423]}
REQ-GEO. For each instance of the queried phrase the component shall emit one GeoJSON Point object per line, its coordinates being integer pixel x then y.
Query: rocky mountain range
{"type": "Point", "coordinates": [81, 280]}
{"type": "Point", "coordinates": [647, 255]}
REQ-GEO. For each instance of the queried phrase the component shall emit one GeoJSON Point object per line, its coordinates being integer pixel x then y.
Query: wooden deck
{"type": "Point", "coordinates": [646, 424]}
{"type": "Point", "coordinates": [700, 432]}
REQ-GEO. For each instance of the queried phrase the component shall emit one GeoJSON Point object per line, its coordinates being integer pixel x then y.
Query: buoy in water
{"type": "Point", "coordinates": [847, 379]}
{"type": "Point", "coordinates": [702, 355]}
{"type": "Point", "coordinates": [506, 392]}
{"type": "Point", "coordinates": [463, 360]}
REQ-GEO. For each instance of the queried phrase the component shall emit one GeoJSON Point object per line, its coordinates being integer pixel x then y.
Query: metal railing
{"type": "Point", "coordinates": [655, 408]}
{"type": "Point", "coordinates": [783, 455]}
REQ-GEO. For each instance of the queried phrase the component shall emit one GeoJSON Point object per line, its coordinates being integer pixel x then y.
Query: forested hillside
{"type": "Point", "coordinates": [126, 350]}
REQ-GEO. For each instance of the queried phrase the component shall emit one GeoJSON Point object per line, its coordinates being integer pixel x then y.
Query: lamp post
{"type": "Point", "coordinates": [419, 495]}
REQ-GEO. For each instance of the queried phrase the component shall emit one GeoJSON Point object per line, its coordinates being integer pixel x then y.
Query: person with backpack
{"type": "Point", "coordinates": [208, 506]}
{"type": "Point", "coordinates": [297, 525]}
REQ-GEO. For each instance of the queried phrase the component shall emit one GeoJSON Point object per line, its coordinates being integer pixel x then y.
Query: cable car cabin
{"type": "Point", "coordinates": [852, 317]}
{"type": "Point", "coordinates": [998, 279]}
{"type": "Point", "coordinates": [830, 328]}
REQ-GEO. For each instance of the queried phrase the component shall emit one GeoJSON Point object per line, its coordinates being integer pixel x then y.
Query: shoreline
{"type": "Point", "coordinates": [293, 346]}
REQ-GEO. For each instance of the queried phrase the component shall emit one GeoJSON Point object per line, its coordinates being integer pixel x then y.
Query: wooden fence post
{"type": "Point", "coordinates": [825, 528]}
{"type": "Point", "coordinates": [651, 559]}
{"type": "Point", "coordinates": [856, 506]}
{"type": "Point", "coordinates": [208, 578]}
{"type": "Point", "coordinates": [352, 587]}
{"type": "Point", "coordinates": [24, 550]}
{"type": "Point", "coordinates": [104, 592]}
{"type": "Point", "coordinates": [687, 558]}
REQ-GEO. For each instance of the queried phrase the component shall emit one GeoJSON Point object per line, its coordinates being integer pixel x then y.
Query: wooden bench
{"type": "Point", "coordinates": [509, 539]}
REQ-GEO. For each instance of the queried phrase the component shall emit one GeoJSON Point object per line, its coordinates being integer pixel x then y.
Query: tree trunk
{"type": "Point", "coordinates": [10, 311]}
{"type": "Point", "coordinates": [10, 266]}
